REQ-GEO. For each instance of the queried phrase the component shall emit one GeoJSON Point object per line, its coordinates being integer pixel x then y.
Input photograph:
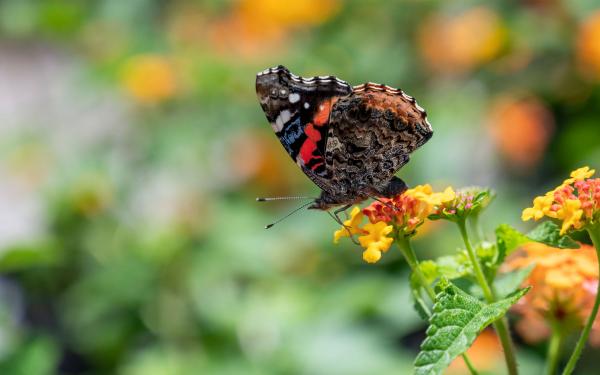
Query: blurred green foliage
{"type": "Point", "coordinates": [132, 148]}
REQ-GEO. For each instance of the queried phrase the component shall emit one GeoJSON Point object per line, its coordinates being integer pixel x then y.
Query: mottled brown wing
{"type": "Point", "coordinates": [372, 132]}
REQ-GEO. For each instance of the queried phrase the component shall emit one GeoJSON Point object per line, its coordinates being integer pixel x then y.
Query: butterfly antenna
{"type": "Point", "coordinates": [288, 215]}
{"type": "Point", "coordinates": [270, 199]}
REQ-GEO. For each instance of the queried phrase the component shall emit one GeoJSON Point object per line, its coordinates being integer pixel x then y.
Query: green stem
{"type": "Point", "coordinates": [554, 350]}
{"type": "Point", "coordinates": [411, 258]}
{"type": "Point", "coordinates": [476, 227]}
{"type": "Point", "coordinates": [501, 325]}
{"type": "Point", "coordinates": [594, 232]}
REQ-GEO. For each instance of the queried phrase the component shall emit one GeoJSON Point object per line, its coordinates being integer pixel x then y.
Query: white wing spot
{"type": "Point", "coordinates": [281, 120]}
{"type": "Point", "coordinates": [294, 97]}
{"type": "Point", "coordinates": [306, 105]}
{"type": "Point", "coordinates": [285, 116]}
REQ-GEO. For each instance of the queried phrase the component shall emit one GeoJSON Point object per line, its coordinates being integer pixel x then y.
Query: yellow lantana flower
{"type": "Point", "coordinates": [375, 241]}
{"type": "Point", "coordinates": [425, 194]}
{"type": "Point", "coordinates": [541, 207]}
{"type": "Point", "coordinates": [350, 226]}
{"type": "Point", "coordinates": [579, 175]}
{"type": "Point", "coordinates": [570, 214]}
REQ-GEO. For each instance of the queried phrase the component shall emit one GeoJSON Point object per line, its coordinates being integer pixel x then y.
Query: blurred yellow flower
{"type": "Point", "coordinates": [563, 290]}
{"type": "Point", "coordinates": [272, 15]}
{"type": "Point", "coordinates": [375, 241]}
{"type": "Point", "coordinates": [149, 78]}
{"type": "Point", "coordinates": [461, 42]}
{"type": "Point", "coordinates": [256, 26]}
{"type": "Point", "coordinates": [350, 226]}
{"type": "Point", "coordinates": [588, 48]}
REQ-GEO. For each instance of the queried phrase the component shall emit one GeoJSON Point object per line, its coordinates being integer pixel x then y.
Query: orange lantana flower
{"type": "Point", "coordinates": [564, 289]}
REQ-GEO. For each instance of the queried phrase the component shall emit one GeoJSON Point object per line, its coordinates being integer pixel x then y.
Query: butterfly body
{"type": "Point", "coordinates": [350, 141]}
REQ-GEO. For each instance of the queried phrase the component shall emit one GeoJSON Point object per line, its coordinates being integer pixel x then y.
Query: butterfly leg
{"type": "Point", "coordinates": [384, 203]}
{"type": "Point", "coordinates": [335, 216]}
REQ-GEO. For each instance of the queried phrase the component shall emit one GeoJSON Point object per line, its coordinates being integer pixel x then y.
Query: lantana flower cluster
{"type": "Point", "coordinates": [390, 217]}
{"type": "Point", "coordinates": [576, 202]}
{"type": "Point", "coordinates": [564, 289]}
{"type": "Point", "coordinates": [466, 202]}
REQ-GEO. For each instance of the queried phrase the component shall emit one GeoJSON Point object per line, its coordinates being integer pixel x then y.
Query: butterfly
{"type": "Point", "coordinates": [350, 141]}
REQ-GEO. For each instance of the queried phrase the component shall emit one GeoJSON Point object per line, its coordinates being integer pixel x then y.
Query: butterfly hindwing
{"type": "Point", "coordinates": [372, 132]}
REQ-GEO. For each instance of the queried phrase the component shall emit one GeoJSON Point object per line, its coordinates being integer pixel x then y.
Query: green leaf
{"type": "Point", "coordinates": [22, 257]}
{"type": "Point", "coordinates": [454, 266]}
{"type": "Point", "coordinates": [456, 321]}
{"type": "Point", "coordinates": [549, 233]}
{"type": "Point", "coordinates": [506, 283]}
{"type": "Point", "coordinates": [509, 282]}
{"type": "Point", "coordinates": [508, 239]}
{"type": "Point", "coordinates": [419, 303]}
{"type": "Point", "coordinates": [450, 266]}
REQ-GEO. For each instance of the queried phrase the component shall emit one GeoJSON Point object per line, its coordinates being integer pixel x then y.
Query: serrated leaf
{"type": "Point", "coordinates": [456, 321]}
{"type": "Point", "coordinates": [549, 233]}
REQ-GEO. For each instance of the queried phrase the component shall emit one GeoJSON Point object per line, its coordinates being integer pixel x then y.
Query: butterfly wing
{"type": "Point", "coordinates": [372, 133]}
{"type": "Point", "coordinates": [298, 109]}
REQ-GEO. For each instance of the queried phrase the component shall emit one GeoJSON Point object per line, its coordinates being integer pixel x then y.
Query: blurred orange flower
{"type": "Point", "coordinates": [588, 47]}
{"type": "Point", "coordinates": [564, 289]}
{"type": "Point", "coordinates": [258, 24]}
{"type": "Point", "coordinates": [485, 354]}
{"type": "Point", "coordinates": [149, 78]}
{"type": "Point", "coordinates": [521, 130]}
{"type": "Point", "coordinates": [255, 159]}
{"type": "Point", "coordinates": [458, 43]}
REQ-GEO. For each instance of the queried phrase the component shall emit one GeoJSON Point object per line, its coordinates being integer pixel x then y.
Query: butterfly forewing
{"type": "Point", "coordinates": [298, 110]}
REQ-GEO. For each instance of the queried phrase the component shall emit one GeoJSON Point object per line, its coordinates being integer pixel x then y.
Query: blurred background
{"type": "Point", "coordinates": [132, 147]}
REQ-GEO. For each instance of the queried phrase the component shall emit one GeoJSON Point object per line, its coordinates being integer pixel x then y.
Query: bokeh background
{"type": "Point", "coordinates": [132, 147]}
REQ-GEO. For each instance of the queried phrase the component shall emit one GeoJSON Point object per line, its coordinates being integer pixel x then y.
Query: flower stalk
{"type": "Point", "coordinates": [594, 232]}
{"type": "Point", "coordinates": [501, 325]}
{"type": "Point", "coordinates": [554, 348]}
